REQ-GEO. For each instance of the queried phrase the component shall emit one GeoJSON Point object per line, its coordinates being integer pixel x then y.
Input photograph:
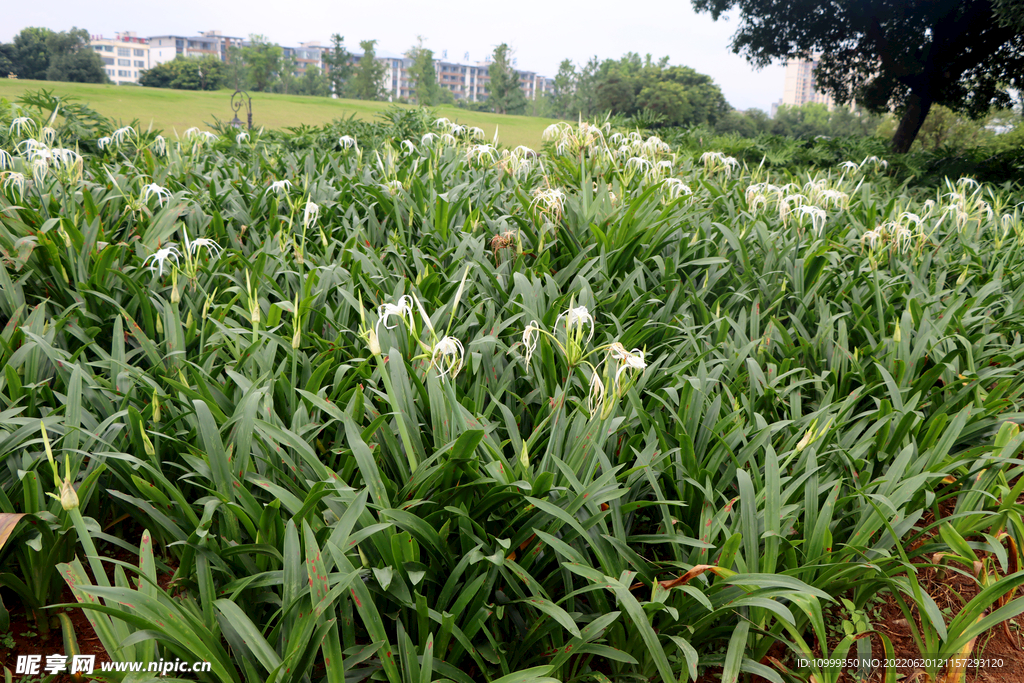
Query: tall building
{"type": "Point", "coordinates": [165, 48]}
{"type": "Point", "coordinates": [306, 55]}
{"type": "Point", "coordinates": [124, 56]}
{"type": "Point", "coordinates": [800, 86]}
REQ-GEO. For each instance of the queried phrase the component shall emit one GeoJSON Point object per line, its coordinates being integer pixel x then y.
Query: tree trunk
{"type": "Point", "coordinates": [917, 110]}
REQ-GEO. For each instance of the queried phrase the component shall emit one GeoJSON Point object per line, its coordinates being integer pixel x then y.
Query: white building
{"type": "Point", "coordinates": [166, 48]}
{"type": "Point", "coordinates": [800, 85]}
{"type": "Point", "coordinates": [124, 56]}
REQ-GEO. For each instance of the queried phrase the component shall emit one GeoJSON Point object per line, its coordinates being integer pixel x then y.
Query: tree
{"type": "Point", "coordinates": [187, 73]}
{"type": "Point", "coordinates": [506, 97]}
{"type": "Point", "coordinates": [338, 65]}
{"type": "Point", "coordinates": [423, 75]}
{"type": "Point", "coordinates": [668, 99]}
{"type": "Point", "coordinates": [585, 101]}
{"type": "Point", "coordinates": [313, 82]}
{"type": "Point", "coordinates": [8, 63]}
{"type": "Point", "coordinates": [562, 101]}
{"type": "Point", "coordinates": [287, 82]}
{"type": "Point", "coordinates": [72, 60]}
{"type": "Point", "coordinates": [368, 83]}
{"type": "Point", "coordinates": [891, 54]}
{"type": "Point", "coordinates": [260, 61]}
{"type": "Point", "coordinates": [31, 53]}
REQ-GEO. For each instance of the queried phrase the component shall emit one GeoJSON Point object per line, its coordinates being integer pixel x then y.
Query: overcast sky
{"type": "Point", "coordinates": [542, 32]}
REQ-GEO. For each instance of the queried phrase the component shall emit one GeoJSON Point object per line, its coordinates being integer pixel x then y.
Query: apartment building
{"type": "Point", "coordinates": [799, 86]}
{"type": "Point", "coordinates": [306, 55]}
{"type": "Point", "coordinates": [124, 56]}
{"type": "Point", "coordinates": [165, 48]}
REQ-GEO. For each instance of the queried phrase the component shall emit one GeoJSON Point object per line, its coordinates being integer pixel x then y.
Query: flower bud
{"type": "Point", "coordinates": [374, 343]}
{"type": "Point", "coordinates": [68, 496]}
{"type": "Point", "coordinates": [896, 335]}
{"type": "Point", "coordinates": [297, 337]}
{"type": "Point", "coordinates": [156, 407]}
{"type": "Point", "coordinates": [147, 445]}
{"type": "Point", "coordinates": [175, 296]}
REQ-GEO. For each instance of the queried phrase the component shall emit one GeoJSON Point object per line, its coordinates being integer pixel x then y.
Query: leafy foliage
{"type": "Point", "coordinates": [907, 55]}
{"type": "Point", "coordinates": [187, 73]}
{"type": "Point", "coordinates": [409, 407]}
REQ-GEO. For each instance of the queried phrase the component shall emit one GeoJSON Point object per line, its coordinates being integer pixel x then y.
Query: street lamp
{"type": "Point", "coordinates": [241, 99]}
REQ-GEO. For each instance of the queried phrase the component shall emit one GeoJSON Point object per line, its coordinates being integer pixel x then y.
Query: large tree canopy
{"type": "Point", "coordinates": [891, 54]}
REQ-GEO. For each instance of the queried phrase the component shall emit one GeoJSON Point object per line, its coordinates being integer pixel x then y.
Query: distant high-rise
{"type": "Point", "coordinates": [124, 56]}
{"type": "Point", "coordinates": [800, 85]}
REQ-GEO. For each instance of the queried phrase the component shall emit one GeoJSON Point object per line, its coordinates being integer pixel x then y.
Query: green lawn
{"type": "Point", "coordinates": [176, 110]}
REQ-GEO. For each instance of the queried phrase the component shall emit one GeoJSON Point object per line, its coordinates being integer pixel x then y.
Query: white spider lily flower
{"type": "Point", "coordinates": [677, 188]}
{"type": "Point", "coordinates": [65, 156]}
{"type": "Point", "coordinates": [311, 214]}
{"type": "Point", "coordinates": [191, 133]}
{"type": "Point", "coordinates": [428, 138]}
{"type": "Point", "coordinates": [835, 198]}
{"type": "Point", "coordinates": [385, 311]}
{"type": "Point", "coordinates": [409, 146]}
{"type": "Point", "coordinates": [475, 133]}
{"type": "Point", "coordinates": [242, 137]}
{"type": "Point", "coordinates": [554, 131]}
{"type": "Point", "coordinates": [903, 238]}
{"type": "Point", "coordinates": [123, 135]}
{"type": "Point", "coordinates": [280, 186]}
{"type": "Point", "coordinates": [40, 165]}
{"type": "Point", "coordinates": [160, 145]}
{"type": "Point", "coordinates": [878, 162]}
{"type": "Point", "coordinates": [480, 152]}
{"type": "Point", "coordinates": [911, 218]}
{"type": "Point", "coordinates": [530, 337]}
{"type": "Point", "coordinates": [654, 144]}
{"type": "Point", "coordinates": [551, 201]}
{"type": "Point", "coordinates": [872, 238]}
{"type": "Point", "coordinates": [22, 124]}
{"type": "Point", "coordinates": [457, 129]}
{"type": "Point", "coordinates": [393, 187]}
{"type": "Point", "coordinates": [103, 142]}
{"type": "Point", "coordinates": [151, 190]}
{"type": "Point", "coordinates": [849, 166]}
{"type": "Point", "coordinates": [442, 123]}
{"type": "Point", "coordinates": [212, 248]}
{"type": "Point", "coordinates": [595, 397]}
{"type": "Point", "coordinates": [5, 160]}
{"type": "Point", "coordinates": [347, 142]}
{"type": "Point", "coordinates": [638, 164]}
{"type": "Point", "coordinates": [708, 158]}
{"type": "Point", "coordinates": [758, 201]}
{"type": "Point", "coordinates": [964, 182]}
{"type": "Point", "coordinates": [160, 257]}
{"type": "Point", "coordinates": [576, 318]}
{"type": "Point", "coordinates": [48, 134]}
{"type": "Point", "coordinates": [15, 180]}
{"type": "Point", "coordinates": [447, 357]}
{"type": "Point", "coordinates": [628, 361]}
{"type": "Point", "coordinates": [523, 151]}
{"type": "Point", "coordinates": [986, 208]}
{"type": "Point", "coordinates": [817, 217]}
{"type": "Point", "coordinates": [449, 140]}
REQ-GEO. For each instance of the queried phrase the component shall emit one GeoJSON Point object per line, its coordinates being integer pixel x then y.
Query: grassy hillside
{"type": "Point", "coordinates": [177, 110]}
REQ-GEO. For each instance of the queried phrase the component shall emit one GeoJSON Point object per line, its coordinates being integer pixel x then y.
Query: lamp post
{"type": "Point", "coordinates": [240, 99]}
